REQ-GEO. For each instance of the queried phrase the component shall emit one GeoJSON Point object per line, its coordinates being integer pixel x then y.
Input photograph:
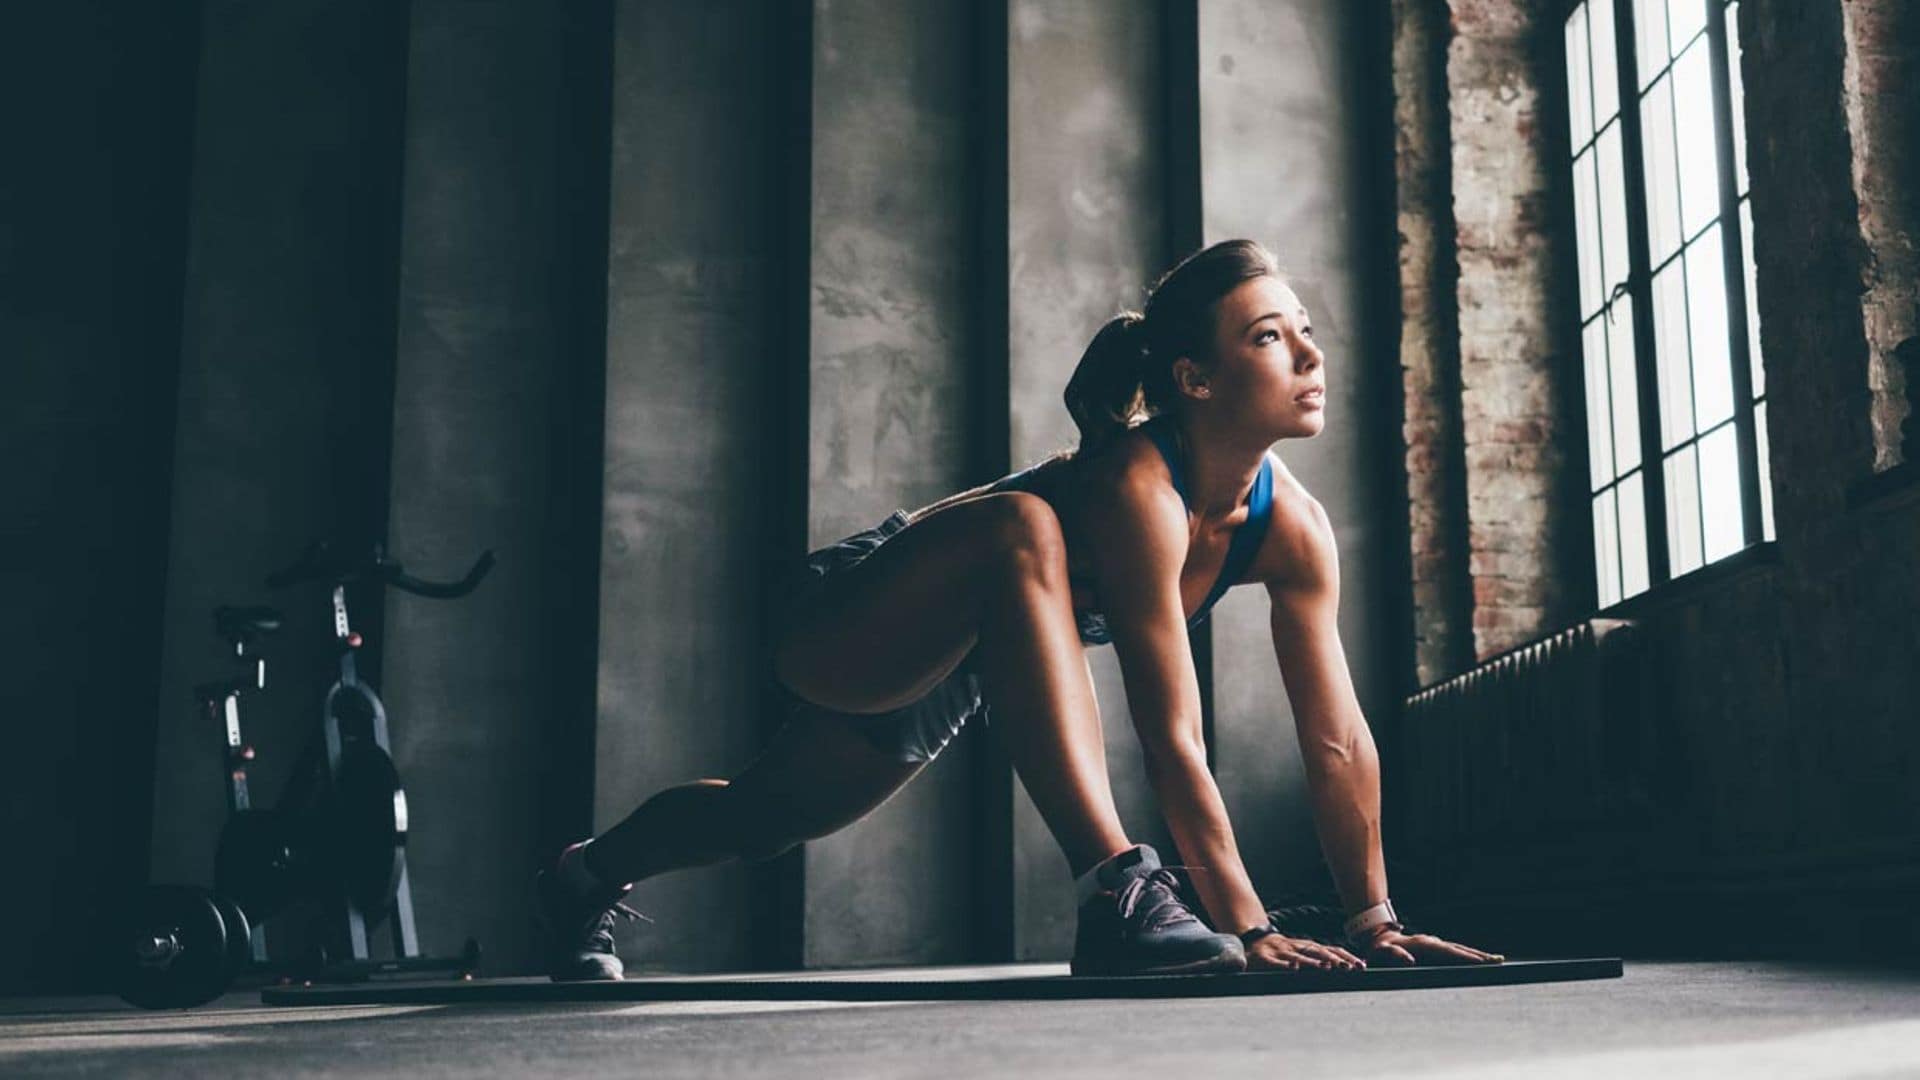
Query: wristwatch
{"type": "Point", "coordinates": [1362, 926]}
{"type": "Point", "coordinates": [1248, 937]}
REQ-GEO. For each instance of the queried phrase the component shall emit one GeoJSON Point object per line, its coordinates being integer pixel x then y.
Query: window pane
{"type": "Point", "coordinates": [1707, 316]}
{"type": "Point", "coordinates": [1593, 348]}
{"type": "Point", "coordinates": [1606, 548]}
{"type": "Point", "coordinates": [1753, 301]}
{"type": "Point", "coordinates": [1663, 185]}
{"type": "Point", "coordinates": [1586, 215]}
{"type": "Point", "coordinates": [1613, 210]}
{"type": "Point", "coordinates": [1649, 38]}
{"type": "Point", "coordinates": [1738, 96]}
{"type": "Point", "coordinates": [1670, 355]}
{"type": "Point", "coordinates": [1685, 18]}
{"type": "Point", "coordinates": [1766, 469]}
{"type": "Point", "coordinates": [1579, 85]}
{"type": "Point", "coordinates": [1633, 536]}
{"type": "Point", "coordinates": [1683, 512]}
{"type": "Point", "coordinates": [1720, 493]}
{"type": "Point", "coordinates": [1625, 380]}
{"type": "Point", "coordinates": [1693, 132]}
{"type": "Point", "coordinates": [1606, 72]}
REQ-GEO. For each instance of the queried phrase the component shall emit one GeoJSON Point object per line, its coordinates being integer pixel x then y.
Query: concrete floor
{"type": "Point", "coordinates": [1661, 1019]}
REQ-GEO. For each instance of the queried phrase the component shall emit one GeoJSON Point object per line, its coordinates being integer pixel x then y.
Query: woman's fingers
{"type": "Point", "coordinates": [1448, 952]}
{"type": "Point", "coordinates": [1336, 957]}
{"type": "Point", "coordinates": [1294, 954]}
{"type": "Point", "coordinates": [1393, 954]}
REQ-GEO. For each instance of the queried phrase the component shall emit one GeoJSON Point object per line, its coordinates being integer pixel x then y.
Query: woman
{"type": "Point", "coordinates": [897, 635]}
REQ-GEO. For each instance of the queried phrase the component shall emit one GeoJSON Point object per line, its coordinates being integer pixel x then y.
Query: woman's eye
{"type": "Point", "coordinates": [1262, 336]}
{"type": "Point", "coordinates": [1306, 331]}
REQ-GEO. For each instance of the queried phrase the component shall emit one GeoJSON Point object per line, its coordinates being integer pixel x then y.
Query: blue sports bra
{"type": "Point", "coordinates": [1240, 550]}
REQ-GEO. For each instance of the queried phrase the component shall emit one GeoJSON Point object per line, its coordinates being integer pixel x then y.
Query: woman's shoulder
{"type": "Point", "coordinates": [1299, 541]}
{"type": "Point", "coordinates": [1129, 462]}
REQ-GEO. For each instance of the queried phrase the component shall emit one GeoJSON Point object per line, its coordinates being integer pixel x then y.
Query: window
{"type": "Point", "coordinates": [1675, 390]}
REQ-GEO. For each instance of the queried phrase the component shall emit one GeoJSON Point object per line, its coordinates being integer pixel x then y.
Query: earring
{"type": "Point", "coordinates": [1204, 392]}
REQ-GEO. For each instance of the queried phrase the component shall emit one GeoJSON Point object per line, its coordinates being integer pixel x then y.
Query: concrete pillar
{"type": "Point", "coordinates": [1282, 127]}
{"type": "Point", "coordinates": [892, 383]}
{"type": "Point", "coordinates": [486, 390]}
{"type": "Point", "coordinates": [1087, 233]}
{"type": "Point", "coordinates": [90, 287]}
{"type": "Point", "coordinates": [286, 374]}
{"type": "Point", "coordinates": [691, 279]}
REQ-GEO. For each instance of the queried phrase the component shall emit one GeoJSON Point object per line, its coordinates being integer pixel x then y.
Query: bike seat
{"type": "Point", "coordinates": [236, 623]}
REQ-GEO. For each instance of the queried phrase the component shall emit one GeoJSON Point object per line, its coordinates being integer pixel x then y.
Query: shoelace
{"type": "Point", "coordinates": [1166, 909]}
{"type": "Point", "coordinates": [602, 926]}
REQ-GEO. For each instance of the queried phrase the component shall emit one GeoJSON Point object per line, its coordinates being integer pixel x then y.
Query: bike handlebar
{"type": "Point", "coordinates": [320, 562]}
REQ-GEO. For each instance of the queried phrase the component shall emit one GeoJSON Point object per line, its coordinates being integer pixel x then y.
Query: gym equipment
{"type": "Point", "coordinates": [339, 835]}
{"type": "Point", "coordinates": [855, 986]}
{"type": "Point", "coordinates": [262, 861]}
{"type": "Point", "coordinates": [172, 948]}
{"type": "Point", "coordinates": [363, 844]}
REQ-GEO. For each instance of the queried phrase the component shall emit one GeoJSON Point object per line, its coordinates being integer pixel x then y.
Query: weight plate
{"type": "Point", "coordinates": [168, 949]}
{"type": "Point", "coordinates": [364, 827]}
{"type": "Point", "coordinates": [261, 862]}
{"type": "Point", "coordinates": [239, 933]}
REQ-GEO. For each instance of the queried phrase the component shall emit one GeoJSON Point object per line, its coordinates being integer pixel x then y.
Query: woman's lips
{"type": "Point", "coordinates": [1315, 397]}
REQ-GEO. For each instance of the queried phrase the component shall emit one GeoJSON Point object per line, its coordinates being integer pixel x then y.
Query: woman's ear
{"type": "Point", "coordinates": [1189, 379]}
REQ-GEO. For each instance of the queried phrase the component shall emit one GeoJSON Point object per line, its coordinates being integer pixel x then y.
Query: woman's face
{"type": "Point", "coordinates": [1268, 374]}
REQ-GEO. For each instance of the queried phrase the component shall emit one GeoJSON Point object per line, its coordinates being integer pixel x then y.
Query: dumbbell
{"type": "Point", "coordinates": [176, 946]}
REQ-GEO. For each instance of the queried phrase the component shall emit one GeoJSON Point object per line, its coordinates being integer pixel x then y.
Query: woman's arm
{"type": "Point", "coordinates": [1343, 767]}
{"type": "Point", "coordinates": [1140, 543]}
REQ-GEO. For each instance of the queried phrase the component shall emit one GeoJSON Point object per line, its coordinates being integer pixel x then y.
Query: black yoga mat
{"type": "Point", "coordinates": [959, 987]}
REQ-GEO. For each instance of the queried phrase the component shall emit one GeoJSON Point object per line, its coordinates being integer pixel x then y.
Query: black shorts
{"type": "Point", "coordinates": [912, 733]}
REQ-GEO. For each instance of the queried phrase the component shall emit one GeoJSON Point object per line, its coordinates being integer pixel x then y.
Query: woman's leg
{"type": "Point", "coordinates": [989, 571]}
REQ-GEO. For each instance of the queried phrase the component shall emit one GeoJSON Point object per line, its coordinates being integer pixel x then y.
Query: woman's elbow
{"type": "Point", "coordinates": [1173, 756]}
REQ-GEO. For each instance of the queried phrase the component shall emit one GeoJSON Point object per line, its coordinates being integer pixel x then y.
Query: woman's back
{"type": "Point", "coordinates": [1059, 480]}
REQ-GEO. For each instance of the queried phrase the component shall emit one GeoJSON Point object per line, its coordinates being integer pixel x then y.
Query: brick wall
{"type": "Point", "coordinates": [1787, 685]}
{"type": "Point", "coordinates": [1494, 511]}
{"type": "Point", "coordinates": [1429, 343]}
{"type": "Point", "coordinates": [1882, 59]}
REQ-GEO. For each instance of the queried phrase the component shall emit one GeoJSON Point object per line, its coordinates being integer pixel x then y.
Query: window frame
{"type": "Point", "coordinates": [1638, 288]}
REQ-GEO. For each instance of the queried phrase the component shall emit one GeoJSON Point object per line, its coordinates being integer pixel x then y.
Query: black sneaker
{"type": "Point", "coordinates": [578, 931]}
{"type": "Point", "coordinates": [1137, 925]}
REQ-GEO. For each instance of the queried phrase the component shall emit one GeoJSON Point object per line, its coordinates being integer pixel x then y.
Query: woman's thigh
{"type": "Point", "coordinates": [882, 633]}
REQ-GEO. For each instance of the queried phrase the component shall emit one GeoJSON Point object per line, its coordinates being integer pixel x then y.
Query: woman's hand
{"type": "Point", "coordinates": [1391, 948]}
{"type": "Point", "coordinates": [1271, 951]}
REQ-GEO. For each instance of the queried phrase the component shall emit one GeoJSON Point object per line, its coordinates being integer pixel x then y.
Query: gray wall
{"type": "Point", "coordinates": [1281, 129]}
{"type": "Point", "coordinates": [1087, 233]}
{"type": "Point", "coordinates": [285, 373]}
{"type": "Point", "coordinates": [891, 340]}
{"type": "Point", "coordinates": [691, 252]}
{"type": "Point", "coordinates": [486, 390]}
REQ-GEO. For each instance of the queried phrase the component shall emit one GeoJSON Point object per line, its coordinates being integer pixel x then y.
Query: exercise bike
{"type": "Point", "coordinates": [338, 834]}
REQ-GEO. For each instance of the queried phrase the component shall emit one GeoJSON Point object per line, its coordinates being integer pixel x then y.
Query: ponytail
{"type": "Point", "coordinates": [1104, 394]}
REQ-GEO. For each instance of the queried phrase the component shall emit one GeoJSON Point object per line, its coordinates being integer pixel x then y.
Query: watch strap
{"type": "Point", "coordinates": [1362, 924]}
{"type": "Point", "coordinates": [1253, 934]}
